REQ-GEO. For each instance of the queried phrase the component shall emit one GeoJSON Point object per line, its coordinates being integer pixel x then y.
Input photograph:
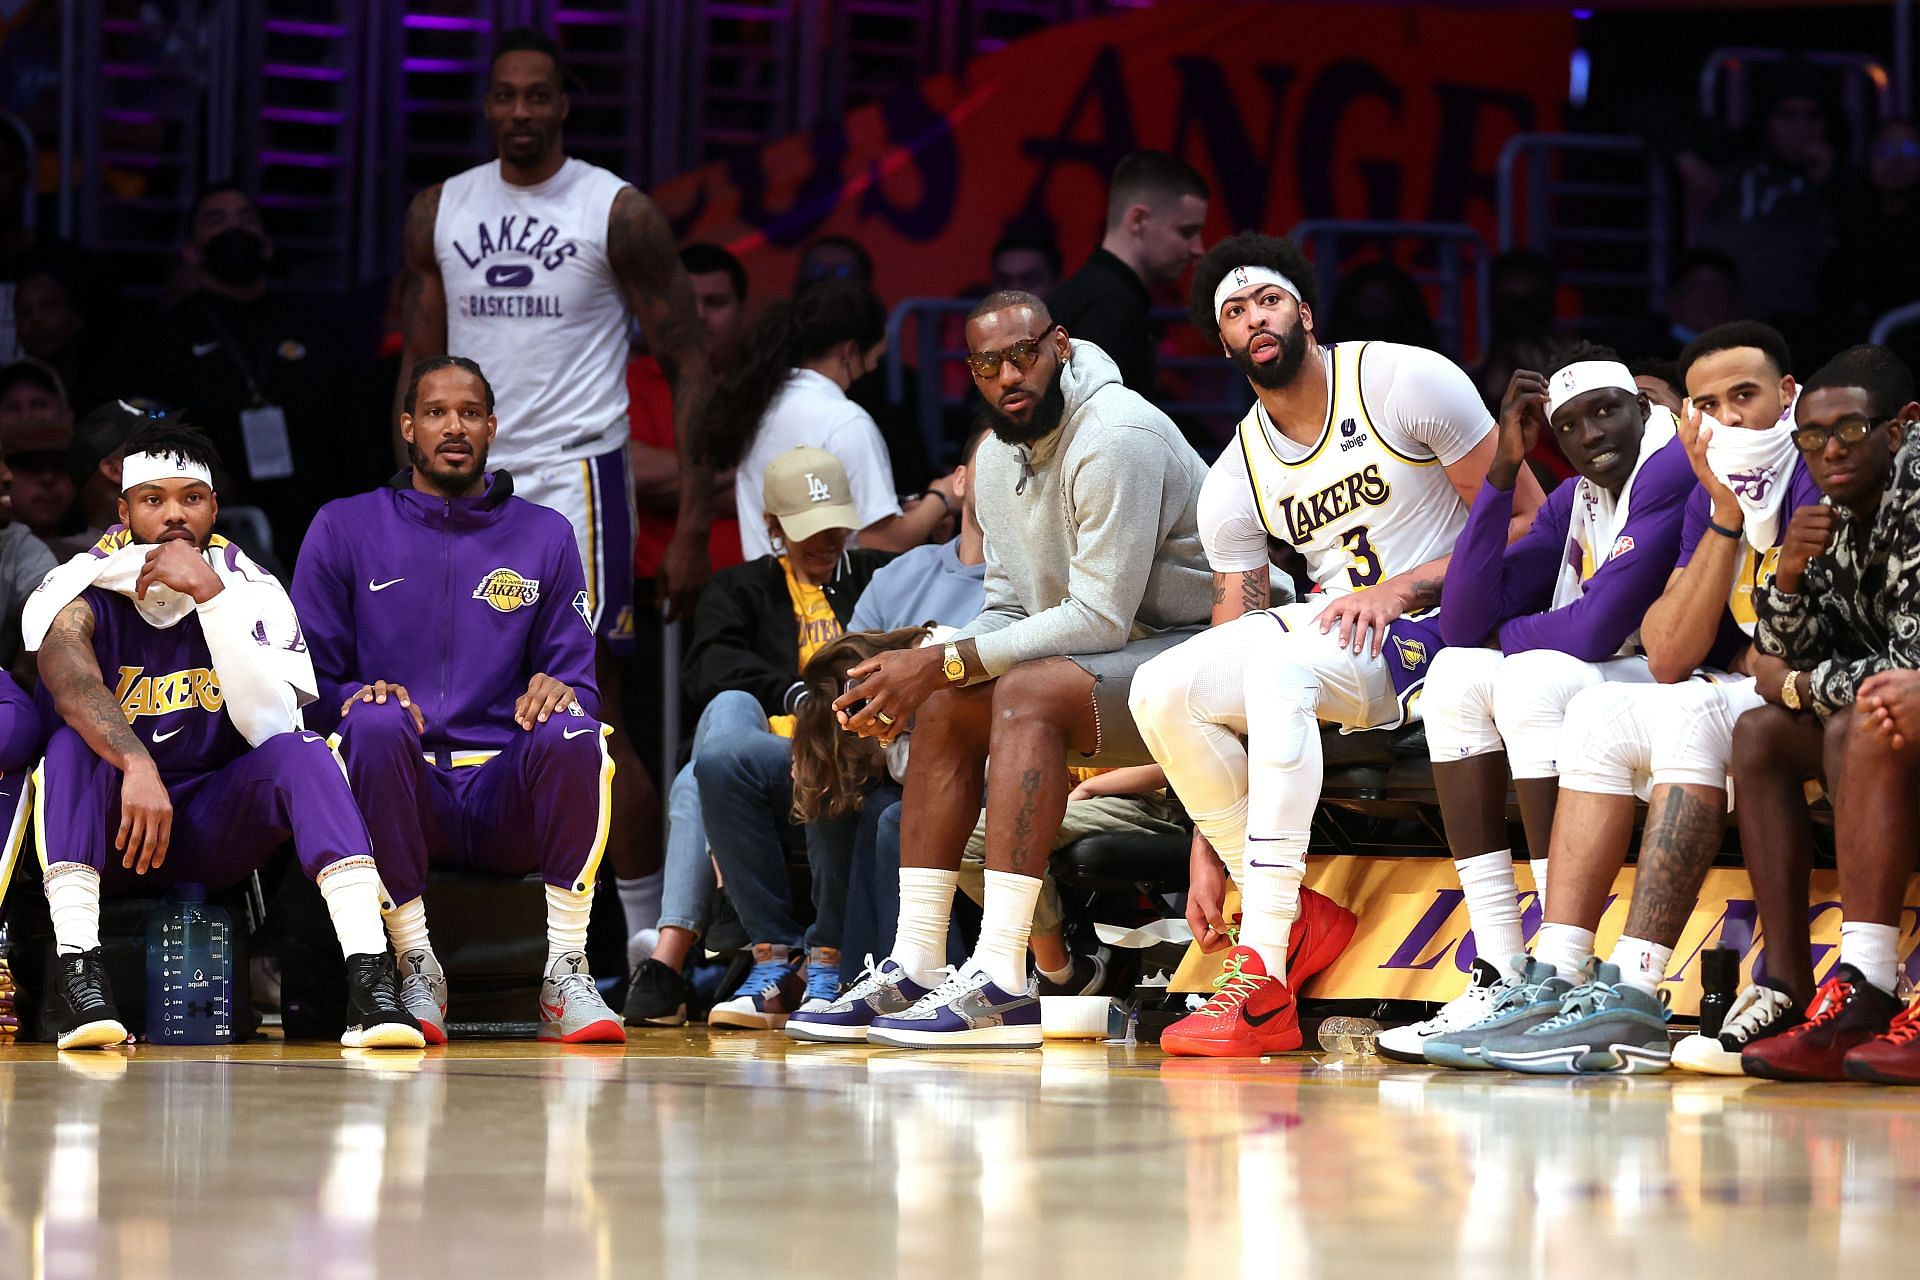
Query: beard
{"type": "Point", "coordinates": [447, 477]}
{"type": "Point", "coordinates": [1045, 417]}
{"type": "Point", "coordinates": [1280, 371]}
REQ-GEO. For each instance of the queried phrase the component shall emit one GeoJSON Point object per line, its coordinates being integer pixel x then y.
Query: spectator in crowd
{"type": "Point", "coordinates": [30, 391]}
{"type": "Point", "coordinates": [1156, 209]}
{"type": "Point", "coordinates": [94, 458]}
{"type": "Point", "coordinates": [1024, 260]}
{"type": "Point", "coordinates": [1703, 292]}
{"type": "Point", "coordinates": [24, 561]}
{"type": "Point", "coordinates": [36, 428]}
{"type": "Point", "coordinates": [1381, 302]}
{"type": "Point", "coordinates": [263, 373]}
{"type": "Point", "coordinates": [52, 329]}
{"type": "Point", "coordinates": [1521, 286]}
{"type": "Point", "coordinates": [757, 626]}
{"type": "Point", "coordinates": [789, 388]}
{"type": "Point", "coordinates": [1660, 380]}
{"type": "Point", "coordinates": [833, 258]}
{"type": "Point", "coordinates": [24, 249]}
{"type": "Point", "coordinates": [1873, 270]}
{"type": "Point", "coordinates": [1771, 210]}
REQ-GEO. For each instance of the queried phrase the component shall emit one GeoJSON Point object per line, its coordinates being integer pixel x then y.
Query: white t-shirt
{"type": "Point", "coordinates": [812, 410]}
{"type": "Point", "coordinates": [1371, 498]}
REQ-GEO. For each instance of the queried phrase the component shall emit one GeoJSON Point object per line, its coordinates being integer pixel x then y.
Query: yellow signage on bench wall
{"type": "Point", "coordinates": [1413, 942]}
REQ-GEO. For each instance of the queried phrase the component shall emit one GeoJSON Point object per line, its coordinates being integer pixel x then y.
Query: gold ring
{"type": "Point", "coordinates": [883, 718]}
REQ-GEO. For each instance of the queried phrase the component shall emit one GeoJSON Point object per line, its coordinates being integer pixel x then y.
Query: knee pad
{"type": "Point", "coordinates": [1606, 740]}
{"type": "Point", "coordinates": [1456, 704]}
{"type": "Point", "coordinates": [1530, 707]}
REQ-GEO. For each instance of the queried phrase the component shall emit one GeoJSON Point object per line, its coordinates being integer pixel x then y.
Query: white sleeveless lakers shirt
{"type": "Point", "coordinates": [532, 299]}
{"type": "Point", "coordinates": [1368, 500]}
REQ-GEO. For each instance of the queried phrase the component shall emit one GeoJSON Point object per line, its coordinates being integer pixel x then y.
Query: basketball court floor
{"type": "Point", "coordinates": [694, 1155]}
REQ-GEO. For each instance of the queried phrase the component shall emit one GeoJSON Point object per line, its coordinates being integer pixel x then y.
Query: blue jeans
{"type": "Point", "coordinates": [745, 783]}
{"type": "Point", "coordinates": [687, 885]}
{"type": "Point", "coordinates": [873, 896]}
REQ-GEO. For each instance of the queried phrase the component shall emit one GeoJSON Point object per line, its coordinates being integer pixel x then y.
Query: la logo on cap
{"type": "Point", "coordinates": [817, 490]}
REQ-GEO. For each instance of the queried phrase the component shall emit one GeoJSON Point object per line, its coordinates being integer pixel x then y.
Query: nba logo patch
{"type": "Point", "coordinates": [583, 608]}
{"type": "Point", "coordinates": [1240, 277]}
{"type": "Point", "coordinates": [1621, 545]}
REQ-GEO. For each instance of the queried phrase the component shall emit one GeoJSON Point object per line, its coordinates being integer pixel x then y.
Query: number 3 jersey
{"type": "Point", "coordinates": [1369, 499]}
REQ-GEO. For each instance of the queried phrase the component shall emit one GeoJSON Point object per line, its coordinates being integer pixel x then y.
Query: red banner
{"type": "Point", "coordinates": [1292, 112]}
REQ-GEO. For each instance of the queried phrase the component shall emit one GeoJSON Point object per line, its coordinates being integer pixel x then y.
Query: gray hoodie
{"type": "Point", "coordinates": [1091, 534]}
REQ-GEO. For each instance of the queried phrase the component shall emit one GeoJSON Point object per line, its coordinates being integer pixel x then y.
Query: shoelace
{"type": "Point", "coordinates": [1829, 1004]}
{"type": "Point", "coordinates": [86, 986]}
{"type": "Point", "coordinates": [956, 984]}
{"type": "Point", "coordinates": [1583, 1000]}
{"type": "Point", "coordinates": [764, 977]}
{"type": "Point", "coordinates": [1756, 1007]}
{"type": "Point", "coordinates": [822, 983]}
{"type": "Point", "coordinates": [576, 984]}
{"type": "Point", "coordinates": [1233, 988]}
{"type": "Point", "coordinates": [1905, 1026]}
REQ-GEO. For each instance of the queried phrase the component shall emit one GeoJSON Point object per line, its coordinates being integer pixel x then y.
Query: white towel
{"type": "Point", "coordinates": [1598, 518]}
{"type": "Point", "coordinates": [1756, 465]}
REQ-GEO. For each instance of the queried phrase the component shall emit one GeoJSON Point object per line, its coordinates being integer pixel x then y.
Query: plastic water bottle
{"type": "Point", "coordinates": [1349, 1039]}
{"type": "Point", "coordinates": [1719, 975]}
{"type": "Point", "coordinates": [189, 971]}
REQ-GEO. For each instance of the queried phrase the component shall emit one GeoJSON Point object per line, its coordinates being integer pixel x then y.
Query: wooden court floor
{"type": "Point", "coordinates": [685, 1156]}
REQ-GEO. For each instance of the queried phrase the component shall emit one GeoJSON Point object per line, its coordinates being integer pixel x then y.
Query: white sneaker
{"type": "Point", "coordinates": [1403, 1044]}
{"type": "Point", "coordinates": [423, 989]}
{"type": "Point", "coordinates": [1760, 1011]}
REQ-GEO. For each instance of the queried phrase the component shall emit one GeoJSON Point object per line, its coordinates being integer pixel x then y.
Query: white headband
{"type": "Point", "coordinates": [145, 468]}
{"type": "Point", "coordinates": [1584, 376]}
{"type": "Point", "coordinates": [1244, 277]}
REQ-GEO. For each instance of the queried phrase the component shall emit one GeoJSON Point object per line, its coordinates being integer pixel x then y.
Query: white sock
{"type": "Point", "coordinates": [1539, 866]}
{"type": "Point", "coordinates": [73, 899]}
{"type": "Point", "coordinates": [1270, 896]}
{"type": "Point", "coordinates": [1493, 907]}
{"type": "Point", "coordinates": [351, 888]}
{"type": "Point", "coordinates": [1566, 947]}
{"type": "Point", "coordinates": [1870, 948]}
{"type": "Point", "coordinates": [640, 901]}
{"type": "Point", "coordinates": [1642, 964]}
{"type": "Point", "coordinates": [926, 905]}
{"type": "Point", "coordinates": [567, 916]}
{"type": "Point", "coordinates": [1006, 918]}
{"type": "Point", "coordinates": [407, 926]}
{"type": "Point", "coordinates": [1055, 976]}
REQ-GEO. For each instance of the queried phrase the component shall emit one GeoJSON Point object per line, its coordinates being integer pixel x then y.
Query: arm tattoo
{"type": "Point", "coordinates": [71, 673]}
{"type": "Point", "coordinates": [1023, 822]}
{"type": "Point", "coordinates": [1676, 850]}
{"type": "Point", "coordinates": [1426, 593]}
{"type": "Point", "coordinates": [641, 249]}
{"type": "Point", "coordinates": [1256, 590]}
{"type": "Point", "coordinates": [1219, 589]}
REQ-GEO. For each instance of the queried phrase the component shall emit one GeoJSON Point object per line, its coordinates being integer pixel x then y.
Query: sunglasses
{"type": "Point", "coordinates": [1849, 431]}
{"type": "Point", "coordinates": [1022, 355]}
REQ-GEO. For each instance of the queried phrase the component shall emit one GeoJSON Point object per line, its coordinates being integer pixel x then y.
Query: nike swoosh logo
{"type": "Point", "coordinates": [554, 1011]}
{"type": "Point", "coordinates": [205, 348]}
{"type": "Point", "coordinates": [382, 586]}
{"type": "Point", "coordinates": [1253, 1019]}
{"type": "Point", "coordinates": [570, 734]}
{"type": "Point", "coordinates": [159, 738]}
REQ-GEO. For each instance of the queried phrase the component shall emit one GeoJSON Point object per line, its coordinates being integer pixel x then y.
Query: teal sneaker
{"type": "Point", "coordinates": [1603, 1028]}
{"type": "Point", "coordinates": [1534, 995]}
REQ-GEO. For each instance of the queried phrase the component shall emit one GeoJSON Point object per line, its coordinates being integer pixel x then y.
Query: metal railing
{"type": "Point", "coordinates": [1526, 164]}
{"type": "Point", "coordinates": [1448, 255]}
{"type": "Point", "coordinates": [1894, 321]}
{"type": "Point", "coordinates": [1867, 91]}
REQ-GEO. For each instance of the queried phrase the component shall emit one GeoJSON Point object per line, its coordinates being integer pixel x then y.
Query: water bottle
{"type": "Point", "coordinates": [9, 1017]}
{"type": "Point", "coordinates": [1349, 1039]}
{"type": "Point", "coordinates": [1719, 975]}
{"type": "Point", "coordinates": [189, 971]}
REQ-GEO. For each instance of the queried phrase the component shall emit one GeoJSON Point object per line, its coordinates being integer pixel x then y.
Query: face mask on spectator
{"type": "Point", "coordinates": [236, 258]}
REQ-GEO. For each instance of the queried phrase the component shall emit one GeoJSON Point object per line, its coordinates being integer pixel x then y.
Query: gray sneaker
{"type": "Point", "coordinates": [1603, 1028]}
{"type": "Point", "coordinates": [1532, 996]}
{"type": "Point", "coordinates": [423, 989]}
{"type": "Point", "coordinates": [571, 1009]}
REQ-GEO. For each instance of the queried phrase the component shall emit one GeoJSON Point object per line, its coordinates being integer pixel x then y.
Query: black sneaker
{"type": "Point", "coordinates": [87, 1018]}
{"type": "Point", "coordinates": [376, 1016]}
{"type": "Point", "coordinates": [1089, 975]}
{"type": "Point", "coordinates": [657, 997]}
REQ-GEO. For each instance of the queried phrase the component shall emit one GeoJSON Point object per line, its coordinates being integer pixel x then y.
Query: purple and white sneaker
{"type": "Point", "coordinates": [967, 1011]}
{"type": "Point", "coordinates": [881, 989]}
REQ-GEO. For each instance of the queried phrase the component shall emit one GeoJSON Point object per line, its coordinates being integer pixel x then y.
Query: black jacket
{"type": "Point", "coordinates": [1105, 303]}
{"type": "Point", "coordinates": [746, 637]}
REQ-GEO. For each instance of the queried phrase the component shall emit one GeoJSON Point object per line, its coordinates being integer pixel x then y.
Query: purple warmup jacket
{"type": "Point", "coordinates": [462, 601]}
{"type": "Point", "coordinates": [1504, 594]}
{"type": "Point", "coordinates": [1755, 572]}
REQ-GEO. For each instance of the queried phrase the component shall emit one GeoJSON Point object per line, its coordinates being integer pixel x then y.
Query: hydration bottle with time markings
{"type": "Point", "coordinates": [189, 970]}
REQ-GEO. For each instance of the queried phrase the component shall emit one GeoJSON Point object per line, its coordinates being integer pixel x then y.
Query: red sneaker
{"type": "Point", "coordinates": [1320, 933]}
{"type": "Point", "coordinates": [1893, 1058]}
{"type": "Point", "coordinates": [1848, 1012]}
{"type": "Point", "coordinates": [1249, 1016]}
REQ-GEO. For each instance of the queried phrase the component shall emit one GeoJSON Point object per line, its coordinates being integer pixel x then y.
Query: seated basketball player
{"type": "Point", "coordinates": [449, 631]}
{"type": "Point", "coordinates": [1530, 625]}
{"type": "Point", "coordinates": [188, 764]}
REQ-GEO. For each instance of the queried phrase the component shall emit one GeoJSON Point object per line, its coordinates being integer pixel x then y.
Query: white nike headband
{"type": "Point", "coordinates": [1245, 277]}
{"type": "Point", "coordinates": [146, 468]}
{"type": "Point", "coordinates": [1584, 376]}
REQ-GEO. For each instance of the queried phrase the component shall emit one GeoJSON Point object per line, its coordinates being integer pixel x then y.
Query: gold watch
{"type": "Point", "coordinates": [954, 668]}
{"type": "Point", "coordinates": [1790, 691]}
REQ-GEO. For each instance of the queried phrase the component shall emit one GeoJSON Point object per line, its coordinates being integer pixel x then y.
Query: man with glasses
{"type": "Point", "coordinates": [1839, 621]}
{"type": "Point", "coordinates": [1086, 494]}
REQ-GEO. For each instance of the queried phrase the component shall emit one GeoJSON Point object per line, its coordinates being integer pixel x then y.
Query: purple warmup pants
{"type": "Point", "coordinates": [19, 747]}
{"type": "Point", "coordinates": [226, 823]}
{"type": "Point", "coordinates": [541, 804]}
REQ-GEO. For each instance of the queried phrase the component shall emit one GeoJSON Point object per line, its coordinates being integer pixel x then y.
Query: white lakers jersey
{"type": "Point", "coordinates": [1370, 498]}
{"type": "Point", "coordinates": [532, 299]}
